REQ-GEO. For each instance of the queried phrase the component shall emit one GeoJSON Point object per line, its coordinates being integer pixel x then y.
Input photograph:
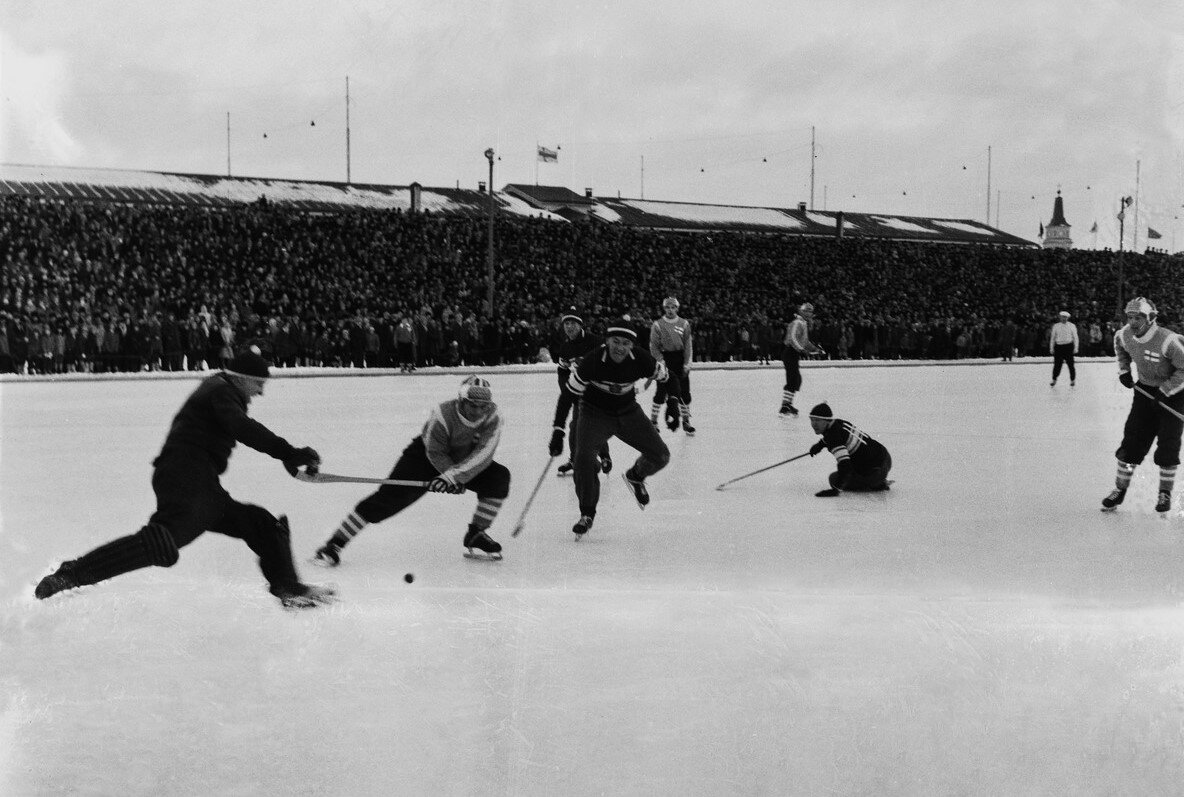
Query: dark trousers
{"type": "Point", "coordinates": [868, 479]}
{"type": "Point", "coordinates": [793, 370]}
{"type": "Point", "coordinates": [1148, 422]}
{"type": "Point", "coordinates": [565, 404]}
{"type": "Point", "coordinates": [593, 429]}
{"type": "Point", "coordinates": [678, 386]}
{"type": "Point", "coordinates": [414, 465]}
{"type": "Point", "coordinates": [1062, 354]}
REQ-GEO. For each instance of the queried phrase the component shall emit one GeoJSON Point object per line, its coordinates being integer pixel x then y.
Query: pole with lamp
{"type": "Point", "coordinates": [1122, 206]}
{"type": "Point", "coordinates": [489, 253]}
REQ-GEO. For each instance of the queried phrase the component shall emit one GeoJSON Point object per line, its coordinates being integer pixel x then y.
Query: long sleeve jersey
{"type": "Point", "coordinates": [671, 335]}
{"type": "Point", "coordinates": [213, 419]}
{"type": "Point", "coordinates": [849, 444]}
{"type": "Point", "coordinates": [1063, 333]}
{"type": "Point", "coordinates": [797, 335]}
{"type": "Point", "coordinates": [609, 385]}
{"type": "Point", "coordinates": [457, 447]}
{"type": "Point", "coordinates": [1157, 356]}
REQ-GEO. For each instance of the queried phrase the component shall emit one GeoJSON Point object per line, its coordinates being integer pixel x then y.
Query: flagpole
{"type": "Point", "coordinates": [536, 163]}
{"type": "Point", "coordinates": [1135, 231]}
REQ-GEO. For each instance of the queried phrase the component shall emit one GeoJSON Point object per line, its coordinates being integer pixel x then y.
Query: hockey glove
{"type": "Point", "coordinates": [817, 448]}
{"type": "Point", "coordinates": [556, 446]}
{"type": "Point", "coordinates": [1127, 380]}
{"type": "Point", "coordinates": [443, 485]}
{"type": "Point", "coordinates": [306, 458]}
{"type": "Point", "coordinates": [829, 492]}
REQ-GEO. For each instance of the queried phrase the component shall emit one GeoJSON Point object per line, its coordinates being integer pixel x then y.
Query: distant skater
{"type": "Point", "coordinates": [797, 345]}
{"type": "Point", "coordinates": [1063, 344]}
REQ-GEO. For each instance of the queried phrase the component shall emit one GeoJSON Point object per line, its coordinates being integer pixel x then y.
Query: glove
{"type": "Point", "coordinates": [556, 446]}
{"type": "Point", "coordinates": [443, 485]}
{"type": "Point", "coordinates": [1127, 380]}
{"type": "Point", "coordinates": [817, 448]}
{"type": "Point", "coordinates": [306, 458]}
{"type": "Point", "coordinates": [829, 492]}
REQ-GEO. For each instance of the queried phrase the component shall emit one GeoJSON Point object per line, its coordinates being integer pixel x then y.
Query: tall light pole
{"type": "Point", "coordinates": [489, 254]}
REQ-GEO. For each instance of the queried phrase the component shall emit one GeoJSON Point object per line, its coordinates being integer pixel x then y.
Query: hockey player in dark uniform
{"type": "Point", "coordinates": [862, 462]}
{"type": "Point", "coordinates": [604, 379]}
{"type": "Point", "coordinates": [571, 343]}
{"type": "Point", "coordinates": [1157, 355]}
{"type": "Point", "coordinates": [671, 342]}
{"type": "Point", "coordinates": [190, 499]}
{"type": "Point", "coordinates": [454, 452]}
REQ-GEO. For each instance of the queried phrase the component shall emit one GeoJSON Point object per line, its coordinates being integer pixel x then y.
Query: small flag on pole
{"type": "Point", "coordinates": [1126, 201]}
{"type": "Point", "coordinates": [1041, 229]}
{"type": "Point", "coordinates": [548, 155]}
{"type": "Point", "coordinates": [1152, 234]}
{"type": "Point", "coordinates": [1094, 228]}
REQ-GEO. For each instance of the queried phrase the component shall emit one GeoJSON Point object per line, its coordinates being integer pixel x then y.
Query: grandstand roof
{"type": "Point", "coordinates": [553, 202]}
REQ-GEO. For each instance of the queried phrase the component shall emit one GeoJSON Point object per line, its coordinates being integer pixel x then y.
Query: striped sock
{"type": "Point", "coordinates": [684, 410]}
{"type": "Point", "coordinates": [348, 529]}
{"type": "Point", "coordinates": [787, 398]}
{"type": "Point", "coordinates": [1167, 479]}
{"type": "Point", "coordinates": [654, 410]}
{"type": "Point", "coordinates": [1122, 478]}
{"type": "Point", "coordinates": [487, 509]}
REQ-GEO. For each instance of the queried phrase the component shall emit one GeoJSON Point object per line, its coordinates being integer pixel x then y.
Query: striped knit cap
{"type": "Point", "coordinates": [475, 389]}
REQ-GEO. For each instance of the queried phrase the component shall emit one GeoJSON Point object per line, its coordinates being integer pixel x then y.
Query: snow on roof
{"type": "Point", "coordinates": [828, 220]}
{"type": "Point", "coordinates": [604, 212]}
{"type": "Point", "coordinates": [963, 227]}
{"type": "Point", "coordinates": [904, 226]}
{"type": "Point", "coordinates": [715, 214]}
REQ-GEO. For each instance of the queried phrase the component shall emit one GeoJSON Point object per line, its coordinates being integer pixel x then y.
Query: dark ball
{"type": "Point", "coordinates": [408, 577]}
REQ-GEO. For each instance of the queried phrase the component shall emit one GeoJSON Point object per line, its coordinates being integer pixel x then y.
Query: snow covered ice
{"type": "Point", "coordinates": [981, 629]}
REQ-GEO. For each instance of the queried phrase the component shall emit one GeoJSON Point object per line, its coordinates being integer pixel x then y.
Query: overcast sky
{"type": "Point", "coordinates": [717, 99]}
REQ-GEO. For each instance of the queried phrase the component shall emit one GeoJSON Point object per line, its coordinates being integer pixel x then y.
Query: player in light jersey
{"type": "Point", "coordinates": [797, 344]}
{"type": "Point", "coordinates": [453, 452]}
{"type": "Point", "coordinates": [1157, 355]}
{"type": "Point", "coordinates": [670, 342]}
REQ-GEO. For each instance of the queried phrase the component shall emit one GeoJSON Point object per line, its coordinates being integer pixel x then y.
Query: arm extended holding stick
{"type": "Point", "coordinates": [762, 470]}
{"type": "Point", "coordinates": [1154, 398]}
{"type": "Point", "coordinates": [332, 478]}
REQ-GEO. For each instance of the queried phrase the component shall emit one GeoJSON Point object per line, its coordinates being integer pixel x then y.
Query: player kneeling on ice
{"type": "Point", "coordinates": [605, 380]}
{"type": "Point", "coordinates": [453, 452]}
{"type": "Point", "coordinates": [863, 463]}
{"type": "Point", "coordinates": [190, 499]}
{"type": "Point", "coordinates": [1157, 355]}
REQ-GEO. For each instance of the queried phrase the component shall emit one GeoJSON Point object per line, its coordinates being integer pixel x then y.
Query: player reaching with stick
{"type": "Point", "coordinates": [862, 462]}
{"type": "Point", "coordinates": [190, 499]}
{"type": "Point", "coordinates": [605, 382]}
{"type": "Point", "coordinates": [1157, 355]}
{"type": "Point", "coordinates": [454, 452]}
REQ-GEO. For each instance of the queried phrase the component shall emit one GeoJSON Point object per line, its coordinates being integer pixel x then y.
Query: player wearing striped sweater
{"type": "Point", "coordinates": [1157, 355]}
{"type": "Point", "coordinates": [572, 343]}
{"type": "Point", "coordinates": [605, 380]}
{"type": "Point", "coordinates": [670, 341]}
{"type": "Point", "coordinates": [454, 452]}
{"type": "Point", "coordinates": [797, 345]}
{"type": "Point", "coordinates": [862, 462]}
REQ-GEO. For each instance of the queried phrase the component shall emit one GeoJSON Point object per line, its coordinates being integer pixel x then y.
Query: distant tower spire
{"type": "Point", "coordinates": [1056, 232]}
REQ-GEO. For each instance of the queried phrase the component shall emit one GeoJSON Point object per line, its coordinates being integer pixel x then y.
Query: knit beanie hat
{"type": "Point", "coordinates": [822, 411]}
{"type": "Point", "coordinates": [249, 363]}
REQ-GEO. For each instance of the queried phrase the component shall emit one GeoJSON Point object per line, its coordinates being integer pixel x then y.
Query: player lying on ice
{"type": "Point", "coordinates": [863, 463]}
{"type": "Point", "coordinates": [453, 452]}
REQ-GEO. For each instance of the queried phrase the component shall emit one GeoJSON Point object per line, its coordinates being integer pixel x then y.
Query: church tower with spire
{"type": "Point", "coordinates": [1056, 232]}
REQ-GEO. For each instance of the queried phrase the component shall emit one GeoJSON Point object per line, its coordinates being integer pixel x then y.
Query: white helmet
{"type": "Point", "coordinates": [476, 390]}
{"type": "Point", "coordinates": [1141, 306]}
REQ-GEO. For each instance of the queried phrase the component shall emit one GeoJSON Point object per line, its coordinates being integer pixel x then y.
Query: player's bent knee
{"type": "Point", "coordinates": [159, 543]}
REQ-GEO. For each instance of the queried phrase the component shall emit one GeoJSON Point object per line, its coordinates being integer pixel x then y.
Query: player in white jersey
{"type": "Point", "coordinates": [1157, 355]}
{"type": "Point", "coordinates": [671, 342]}
{"type": "Point", "coordinates": [454, 452]}
{"type": "Point", "coordinates": [797, 345]}
{"type": "Point", "coordinates": [1063, 344]}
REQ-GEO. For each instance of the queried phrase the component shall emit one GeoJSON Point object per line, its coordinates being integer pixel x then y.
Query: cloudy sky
{"type": "Point", "coordinates": [687, 100]}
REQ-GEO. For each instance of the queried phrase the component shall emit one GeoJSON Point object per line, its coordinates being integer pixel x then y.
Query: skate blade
{"type": "Point", "coordinates": [483, 556]}
{"type": "Point", "coordinates": [325, 563]}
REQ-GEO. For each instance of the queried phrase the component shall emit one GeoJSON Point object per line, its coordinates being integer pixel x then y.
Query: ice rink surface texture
{"type": "Point", "coordinates": [980, 629]}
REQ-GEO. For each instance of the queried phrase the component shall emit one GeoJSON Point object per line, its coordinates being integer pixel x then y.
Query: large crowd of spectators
{"type": "Point", "coordinates": [118, 287]}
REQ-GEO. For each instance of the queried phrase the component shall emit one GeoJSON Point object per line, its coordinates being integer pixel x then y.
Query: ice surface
{"type": "Point", "coordinates": [982, 629]}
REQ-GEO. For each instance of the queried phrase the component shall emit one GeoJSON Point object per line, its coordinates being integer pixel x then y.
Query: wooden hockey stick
{"type": "Point", "coordinates": [320, 477]}
{"type": "Point", "coordinates": [762, 470]}
{"type": "Point", "coordinates": [1160, 403]}
{"type": "Point", "coordinates": [522, 517]}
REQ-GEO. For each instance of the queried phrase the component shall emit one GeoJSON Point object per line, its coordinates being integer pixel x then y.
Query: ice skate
{"type": "Point", "coordinates": [60, 580]}
{"type": "Point", "coordinates": [829, 492]}
{"type": "Point", "coordinates": [328, 555]}
{"type": "Point", "coordinates": [606, 463]}
{"type": "Point", "coordinates": [686, 427]}
{"type": "Point", "coordinates": [305, 596]}
{"type": "Point", "coordinates": [1163, 502]}
{"type": "Point", "coordinates": [672, 422]}
{"type": "Point", "coordinates": [486, 547]}
{"type": "Point", "coordinates": [1111, 502]}
{"type": "Point", "coordinates": [637, 487]}
{"type": "Point", "coordinates": [582, 525]}
{"type": "Point", "coordinates": [564, 469]}
{"type": "Point", "coordinates": [788, 410]}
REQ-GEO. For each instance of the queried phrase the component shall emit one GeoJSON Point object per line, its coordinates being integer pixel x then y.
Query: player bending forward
{"type": "Point", "coordinates": [1158, 356]}
{"type": "Point", "coordinates": [453, 452]}
{"type": "Point", "coordinates": [190, 500]}
{"type": "Point", "coordinates": [863, 463]}
{"type": "Point", "coordinates": [605, 381]}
